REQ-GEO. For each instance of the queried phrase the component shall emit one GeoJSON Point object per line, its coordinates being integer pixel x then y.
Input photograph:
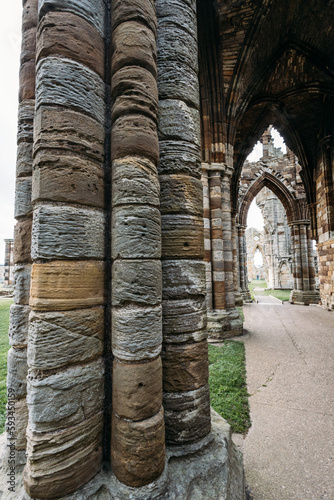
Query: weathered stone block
{"type": "Point", "coordinates": [177, 79]}
{"type": "Point", "coordinates": [135, 135]}
{"type": "Point", "coordinates": [70, 84]}
{"type": "Point", "coordinates": [67, 232]}
{"type": "Point", "coordinates": [69, 178]}
{"type": "Point", "coordinates": [138, 10]}
{"type": "Point", "coordinates": [65, 398]}
{"type": "Point", "coordinates": [16, 429]}
{"type": "Point", "coordinates": [67, 130]}
{"type": "Point", "coordinates": [28, 45]}
{"type": "Point", "coordinates": [135, 182]}
{"type": "Point", "coordinates": [61, 462]}
{"type": "Point", "coordinates": [71, 36]}
{"type": "Point", "coordinates": [187, 415]}
{"type": "Point", "coordinates": [134, 45]}
{"type": "Point", "coordinates": [137, 389]}
{"type": "Point", "coordinates": [136, 333]}
{"type": "Point", "coordinates": [27, 81]}
{"type": "Point", "coordinates": [22, 284]}
{"type": "Point", "coordinates": [185, 366]}
{"type": "Point", "coordinates": [138, 282]}
{"type": "Point", "coordinates": [22, 239]}
{"type": "Point", "coordinates": [181, 194]}
{"type": "Point", "coordinates": [136, 232]}
{"type": "Point", "coordinates": [17, 372]}
{"type": "Point", "coordinates": [184, 320]}
{"type": "Point", "coordinates": [60, 339]}
{"type": "Point", "coordinates": [51, 282]}
{"type": "Point", "coordinates": [182, 236]}
{"type": "Point", "coordinates": [29, 15]}
{"type": "Point", "coordinates": [24, 159]}
{"type": "Point", "coordinates": [179, 157]}
{"type": "Point", "coordinates": [18, 325]}
{"type": "Point", "coordinates": [135, 91]}
{"type": "Point", "coordinates": [138, 449]}
{"type": "Point", "coordinates": [178, 44]}
{"type": "Point", "coordinates": [181, 14]}
{"type": "Point", "coordinates": [183, 278]}
{"type": "Point", "coordinates": [25, 124]}
{"type": "Point", "coordinates": [178, 121]}
{"type": "Point", "coordinates": [23, 204]}
{"type": "Point", "coordinates": [93, 12]}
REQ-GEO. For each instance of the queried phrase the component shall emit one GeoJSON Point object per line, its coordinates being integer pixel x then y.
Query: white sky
{"type": "Point", "coordinates": [10, 41]}
{"type": "Point", "coordinates": [254, 217]}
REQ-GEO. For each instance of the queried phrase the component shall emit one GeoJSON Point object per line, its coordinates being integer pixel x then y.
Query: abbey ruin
{"type": "Point", "coordinates": [135, 120]}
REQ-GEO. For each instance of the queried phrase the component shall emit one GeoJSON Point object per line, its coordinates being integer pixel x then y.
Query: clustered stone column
{"type": "Point", "coordinates": [138, 433]}
{"type": "Point", "coordinates": [185, 351]}
{"type": "Point", "coordinates": [17, 411]}
{"type": "Point", "coordinates": [223, 319]}
{"type": "Point", "coordinates": [207, 238]}
{"type": "Point", "coordinates": [66, 332]}
{"type": "Point", "coordinates": [236, 272]}
{"type": "Point", "coordinates": [243, 264]}
{"type": "Point", "coordinates": [304, 292]}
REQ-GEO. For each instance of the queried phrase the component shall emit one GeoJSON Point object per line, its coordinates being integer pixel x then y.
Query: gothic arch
{"type": "Point", "coordinates": [267, 179]}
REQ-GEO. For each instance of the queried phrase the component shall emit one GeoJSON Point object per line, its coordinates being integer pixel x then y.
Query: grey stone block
{"type": "Point", "coordinates": [70, 84]}
{"type": "Point", "coordinates": [60, 232]}
{"type": "Point", "coordinates": [138, 282]}
{"type": "Point", "coordinates": [136, 232]}
{"type": "Point", "coordinates": [18, 325]}
{"type": "Point", "coordinates": [183, 278]}
{"type": "Point", "coordinates": [178, 121]}
{"type": "Point", "coordinates": [23, 205]}
{"type": "Point", "coordinates": [17, 372]}
{"type": "Point", "coordinates": [58, 339]}
{"type": "Point", "coordinates": [65, 398]}
{"type": "Point", "coordinates": [136, 333]}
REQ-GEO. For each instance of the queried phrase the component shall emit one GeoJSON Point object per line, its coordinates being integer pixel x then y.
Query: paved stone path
{"type": "Point", "coordinates": [267, 299]}
{"type": "Point", "coordinates": [289, 451]}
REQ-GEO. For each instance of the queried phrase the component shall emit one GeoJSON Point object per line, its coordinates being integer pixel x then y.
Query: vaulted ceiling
{"type": "Point", "coordinates": [266, 62]}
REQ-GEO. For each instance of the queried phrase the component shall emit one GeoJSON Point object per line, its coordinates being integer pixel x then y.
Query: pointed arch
{"type": "Point", "coordinates": [272, 182]}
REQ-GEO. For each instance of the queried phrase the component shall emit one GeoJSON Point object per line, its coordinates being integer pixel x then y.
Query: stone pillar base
{"type": "Point", "coordinates": [216, 471]}
{"type": "Point", "coordinates": [223, 324]}
{"type": "Point", "coordinates": [238, 299]}
{"type": "Point", "coordinates": [304, 298]}
{"type": "Point", "coordinates": [246, 295]}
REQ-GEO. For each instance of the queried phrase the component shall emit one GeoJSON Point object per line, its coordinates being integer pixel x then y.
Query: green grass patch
{"type": "Point", "coordinates": [227, 380]}
{"type": "Point", "coordinates": [279, 294]}
{"type": "Point", "coordinates": [4, 346]}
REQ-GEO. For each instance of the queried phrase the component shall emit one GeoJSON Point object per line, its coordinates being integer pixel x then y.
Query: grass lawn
{"type": "Point", "coordinates": [279, 294]}
{"type": "Point", "coordinates": [4, 346]}
{"type": "Point", "coordinates": [227, 380]}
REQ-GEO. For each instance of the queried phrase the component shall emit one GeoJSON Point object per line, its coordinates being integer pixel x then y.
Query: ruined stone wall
{"type": "Point", "coordinates": [254, 241]}
{"type": "Point", "coordinates": [325, 228]}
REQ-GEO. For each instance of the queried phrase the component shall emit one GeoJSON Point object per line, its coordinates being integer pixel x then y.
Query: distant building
{"type": "Point", "coordinates": [9, 262]}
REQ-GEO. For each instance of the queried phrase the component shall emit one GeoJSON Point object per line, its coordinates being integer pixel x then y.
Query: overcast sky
{"type": "Point", "coordinates": [10, 41]}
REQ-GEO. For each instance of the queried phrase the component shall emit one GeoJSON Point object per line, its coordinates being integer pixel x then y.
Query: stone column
{"type": "Point", "coordinates": [207, 238]}
{"type": "Point", "coordinates": [17, 412]}
{"type": "Point", "coordinates": [236, 277]}
{"type": "Point", "coordinates": [224, 319]}
{"type": "Point", "coordinates": [66, 332]}
{"type": "Point", "coordinates": [9, 262]}
{"type": "Point", "coordinates": [304, 292]}
{"type": "Point", "coordinates": [243, 264]}
{"type": "Point", "coordinates": [138, 434]}
{"type": "Point", "coordinates": [185, 356]}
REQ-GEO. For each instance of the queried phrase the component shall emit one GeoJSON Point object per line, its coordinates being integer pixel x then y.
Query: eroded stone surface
{"type": "Point", "coordinates": [138, 449]}
{"type": "Point", "coordinates": [58, 339]}
{"type": "Point", "coordinates": [76, 393]}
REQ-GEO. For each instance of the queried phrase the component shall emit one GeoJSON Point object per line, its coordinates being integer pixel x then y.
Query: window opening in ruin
{"type": "Point", "coordinates": [258, 258]}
